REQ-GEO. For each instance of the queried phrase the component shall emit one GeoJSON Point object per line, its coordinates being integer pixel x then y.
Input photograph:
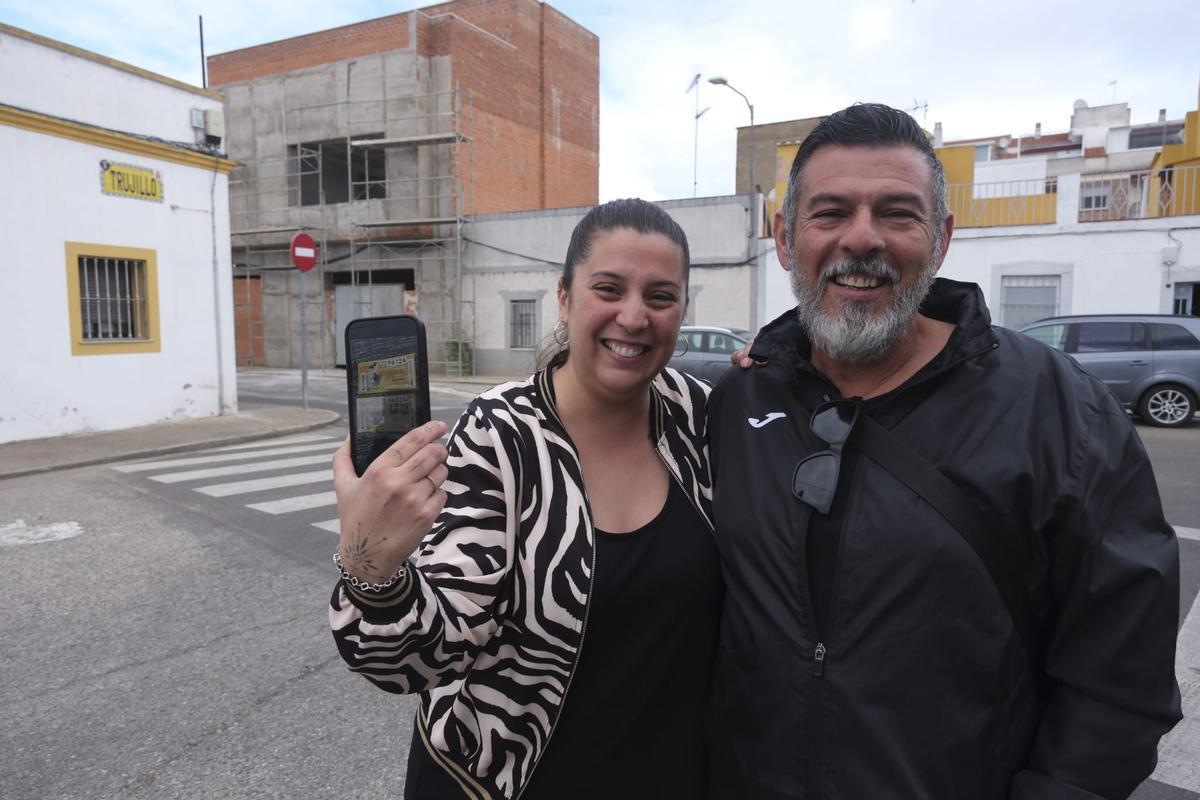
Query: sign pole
{"type": "Point", "coordinates": [304, 257]}
{"type": "Point", "coordinates": [304, 339]}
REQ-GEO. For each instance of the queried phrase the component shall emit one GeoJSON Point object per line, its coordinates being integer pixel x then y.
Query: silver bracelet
{"type": "Point", "coordinates": [363, 586]}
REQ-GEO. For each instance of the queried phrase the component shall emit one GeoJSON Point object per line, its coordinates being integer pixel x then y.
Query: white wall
{"type": "Point", "coordinates": [46, 391]}
{"type": "Point", "coordinates": [1013, 169]}
{"type": "Point", "coordinates": [37, 77]}
{"type": "Point", "coordinates": [1094, 123]}
{"type": "Point", "coordinates": [777, 287]}
{"type": "Point", "coordinates": [1103, 267]}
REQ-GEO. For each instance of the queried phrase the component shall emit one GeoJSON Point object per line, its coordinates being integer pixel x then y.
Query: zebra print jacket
{"type": "Point", "coordinates": [489, 625]}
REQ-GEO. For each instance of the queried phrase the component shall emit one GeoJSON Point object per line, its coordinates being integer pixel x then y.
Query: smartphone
{"type": "Point", "coordinates": [387, 382]}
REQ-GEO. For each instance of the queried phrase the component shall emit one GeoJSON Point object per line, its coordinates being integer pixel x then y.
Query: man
{"type": "Point", "coordinates": [868, 650]}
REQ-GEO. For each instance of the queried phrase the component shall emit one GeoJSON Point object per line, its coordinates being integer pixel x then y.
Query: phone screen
{"type": "Point", "coordinates": [388, 381]}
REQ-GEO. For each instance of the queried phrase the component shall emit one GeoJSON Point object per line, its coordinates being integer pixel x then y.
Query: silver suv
{"type": "Point", "coordinates": [1151, 362]}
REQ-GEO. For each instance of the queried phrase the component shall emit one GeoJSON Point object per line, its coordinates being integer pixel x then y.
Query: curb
{"type": "Point", "coordinates": [238, 438]}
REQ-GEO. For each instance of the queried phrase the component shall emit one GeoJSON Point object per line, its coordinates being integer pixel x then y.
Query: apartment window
{"type": "Point", "coordinates": [1051, 185]}
{"type": "Point", "coordinates": [340, 171]}
{"type": "Point", "coordinates": [983, 152]}
{"type": "Point", "coordinates": [1156, 135]}
{"type": "Point", "coordinates": [1027, 298]}
{"type": "Point", "coordinates": [522, 323]}
{"type": "Point", "coordinates": [1093, 197]}
{"type": "Point", "coordinates": [113, 299]}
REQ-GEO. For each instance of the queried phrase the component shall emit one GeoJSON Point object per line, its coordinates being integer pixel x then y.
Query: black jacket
{"type": "Point", "coordinates": [924, 690]}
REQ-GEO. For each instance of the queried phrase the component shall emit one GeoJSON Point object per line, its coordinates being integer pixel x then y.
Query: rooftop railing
{"type": "Point", "coordinates": [1142, 194]}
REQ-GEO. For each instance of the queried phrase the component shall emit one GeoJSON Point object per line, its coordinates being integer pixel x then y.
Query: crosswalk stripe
{"type": "Point", "coordinates": [1188, 533]}
{"type": "Point", "coordinates": [262, 484]}
{"type": "Point", "coordinates": [293, 439]}
{"type": "Point", "coordinates": [146, 466]}
{"type": "Point", "coordinates": [299, 503]}
{"type": "Point", "coordinates": [240, 469]}
{"type": "Point", "coordinates": [329, 525]}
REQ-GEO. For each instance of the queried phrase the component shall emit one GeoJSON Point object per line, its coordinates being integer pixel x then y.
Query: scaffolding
{"type": "Point", "coordinates": [382, 185]}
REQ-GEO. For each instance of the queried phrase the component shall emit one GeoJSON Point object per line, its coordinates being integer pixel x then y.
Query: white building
{"type": "Point", "coordinates": [117, 308]}
{"type": "Point", "coordinates": [1102, 218]}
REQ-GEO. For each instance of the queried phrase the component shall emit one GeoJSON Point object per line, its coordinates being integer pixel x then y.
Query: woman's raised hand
{"type": "Point", "coordinates": [385, 513]}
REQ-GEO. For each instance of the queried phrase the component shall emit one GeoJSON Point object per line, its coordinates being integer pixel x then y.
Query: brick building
{"type": "Point", "coordinates": [380, 138]}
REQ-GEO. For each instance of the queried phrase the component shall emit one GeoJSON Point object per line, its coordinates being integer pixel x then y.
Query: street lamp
{"type": "Point", "coordinates": [719, 81]}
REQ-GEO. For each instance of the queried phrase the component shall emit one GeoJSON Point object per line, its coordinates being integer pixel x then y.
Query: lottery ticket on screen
{"type": "Point", "coordinates": [395, 374]}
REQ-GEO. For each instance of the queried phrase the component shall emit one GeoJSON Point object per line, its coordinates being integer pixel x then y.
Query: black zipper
{"type": "Point", "coordinates": [820, 653]}
{"type": "Point", "coordinates": [816, 765]}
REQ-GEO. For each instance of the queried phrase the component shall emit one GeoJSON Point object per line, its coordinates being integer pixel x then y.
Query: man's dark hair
{"type": "Point", "coordinates": [632, 213]}
{"type": "Point", "coordinates": [867, 125]}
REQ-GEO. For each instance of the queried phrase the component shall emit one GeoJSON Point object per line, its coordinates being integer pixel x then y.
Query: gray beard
{"type": "Point", "coordinates": [852, 335]}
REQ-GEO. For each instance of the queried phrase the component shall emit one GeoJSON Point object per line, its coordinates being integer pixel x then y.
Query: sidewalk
{"type": "Point", "coordinates": [254, 422]}
{"type": "Point", "coordinates": [60, 452]}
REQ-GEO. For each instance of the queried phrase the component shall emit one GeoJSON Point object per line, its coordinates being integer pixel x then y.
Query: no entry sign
{"type": "Point", "coordinates": [304, 252]}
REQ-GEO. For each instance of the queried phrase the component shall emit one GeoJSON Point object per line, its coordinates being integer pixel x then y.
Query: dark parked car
{"type": "Point", "coordinates": [1150, 361]}
{"type": "Point", "coordinates": [704, 350]}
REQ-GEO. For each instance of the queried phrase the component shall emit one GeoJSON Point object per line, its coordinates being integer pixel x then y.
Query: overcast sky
{"type": "Point", "coordinates": [979, 68]}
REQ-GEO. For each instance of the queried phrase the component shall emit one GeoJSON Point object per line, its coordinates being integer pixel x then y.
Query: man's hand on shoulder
{"type": "Point", "coordinates": [741, 358]}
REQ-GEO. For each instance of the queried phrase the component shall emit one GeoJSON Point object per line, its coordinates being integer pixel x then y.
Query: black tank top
{"type": "Point", "coordinates": [633, 722]}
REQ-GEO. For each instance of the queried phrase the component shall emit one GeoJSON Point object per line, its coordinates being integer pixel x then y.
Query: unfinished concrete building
{"type": "Point", "coordinates": [380, 139]}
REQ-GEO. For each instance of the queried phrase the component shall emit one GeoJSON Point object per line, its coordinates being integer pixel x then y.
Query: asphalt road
{"type": "Point", "coordinates": [167, 637]}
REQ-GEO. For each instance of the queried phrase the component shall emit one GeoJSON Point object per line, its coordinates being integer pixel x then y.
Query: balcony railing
{"type": "Point", "coordinates": [1021, 202]}
{"type": "Point", "coordinates": [1145, 194]}
{"type": "Point", "coordinates": [1170, 192]}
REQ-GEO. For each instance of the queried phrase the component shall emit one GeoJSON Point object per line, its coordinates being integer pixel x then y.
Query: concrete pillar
{"type": "Point", "coordinates": [1068, 199]}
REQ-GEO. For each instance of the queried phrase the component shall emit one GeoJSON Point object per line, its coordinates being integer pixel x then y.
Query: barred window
{"type": "Point", "coordinates": [1027, 298]}
{"type": "Point", "coordinates": [522, 315]}
{"type": "Point", "coordinates": [112, 297]}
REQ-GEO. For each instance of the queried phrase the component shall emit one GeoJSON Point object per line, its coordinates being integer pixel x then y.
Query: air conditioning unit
{"type": "Point", "coordinates": [214, 123]}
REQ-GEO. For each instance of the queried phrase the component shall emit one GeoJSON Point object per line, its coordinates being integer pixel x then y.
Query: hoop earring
{"type": "Point", "coordinates": [560, 333]}
{"type": "Point", "coordinates": [685, 347]}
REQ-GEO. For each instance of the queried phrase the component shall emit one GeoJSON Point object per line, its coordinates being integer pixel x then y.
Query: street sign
{"type": "Point", "coordinates": [304, 252]}
{"type": "Point", "coordinates": [304, 256]}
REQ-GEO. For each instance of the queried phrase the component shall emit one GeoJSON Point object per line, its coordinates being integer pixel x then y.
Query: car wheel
{"type": "Point", "coordinates": [1167, 406]}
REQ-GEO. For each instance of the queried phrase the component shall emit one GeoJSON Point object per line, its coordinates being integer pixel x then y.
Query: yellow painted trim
{"type": "Point", "coordinates": [108, 62]}
{"type": "Point", "coordinates": [79, 347]}
{"type": "Point", "coordinates": [40, 123]}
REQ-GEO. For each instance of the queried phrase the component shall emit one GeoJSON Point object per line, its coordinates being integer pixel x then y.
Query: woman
{"type": "Point", "coordinates": [560, 618]}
